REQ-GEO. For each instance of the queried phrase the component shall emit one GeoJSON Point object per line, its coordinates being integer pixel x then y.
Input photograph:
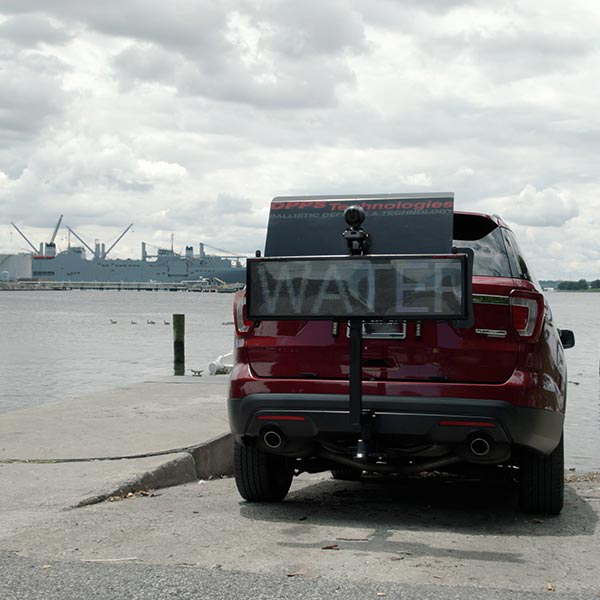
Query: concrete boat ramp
{"type": "Point", "coordinates": [88, 449]}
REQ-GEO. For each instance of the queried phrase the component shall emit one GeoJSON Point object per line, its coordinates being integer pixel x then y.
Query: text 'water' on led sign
{"type": "Point", "coordinates": [360, 287]}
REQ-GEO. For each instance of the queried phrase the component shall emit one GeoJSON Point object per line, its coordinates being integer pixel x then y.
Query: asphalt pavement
{"type": "Point", "coordinates": [27, 579]}
{"type": "Point", "coordinates": [418, 538]}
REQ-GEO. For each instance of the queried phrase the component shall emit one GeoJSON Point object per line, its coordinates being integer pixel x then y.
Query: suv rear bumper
{"type": "Point", "coordinates": [306, 418]}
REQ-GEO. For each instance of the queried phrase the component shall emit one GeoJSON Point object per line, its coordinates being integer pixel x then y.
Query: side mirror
{"type": "Point", "coordinates": [567, 337]}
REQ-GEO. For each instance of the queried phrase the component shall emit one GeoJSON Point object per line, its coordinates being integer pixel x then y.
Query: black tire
{"type": "Point", "coordinates": [346, 474]}
{"type": "Point", "coordinates": [259, 476]}
{"type": "Point", "coordinates": [542, 481]}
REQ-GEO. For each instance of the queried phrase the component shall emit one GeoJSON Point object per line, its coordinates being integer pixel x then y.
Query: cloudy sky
{"type": "Point", "coordinates": [187, 116]}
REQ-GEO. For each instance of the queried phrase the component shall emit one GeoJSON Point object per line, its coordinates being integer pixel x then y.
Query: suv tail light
{"type": "Point", "coordinates": [527, 314]}
{"type": "Point", "coordinates": [242, 325]}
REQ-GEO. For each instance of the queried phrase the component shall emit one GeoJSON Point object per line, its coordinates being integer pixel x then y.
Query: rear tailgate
{"type": "Point", "coordinates": [419, 351]}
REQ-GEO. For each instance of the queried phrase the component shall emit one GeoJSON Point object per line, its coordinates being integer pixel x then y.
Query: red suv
{"type": "Point", "coordinates": [442, 397]}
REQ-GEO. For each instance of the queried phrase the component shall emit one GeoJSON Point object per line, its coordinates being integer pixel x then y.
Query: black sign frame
{"type": "Point", "coordinates": [466, 309]}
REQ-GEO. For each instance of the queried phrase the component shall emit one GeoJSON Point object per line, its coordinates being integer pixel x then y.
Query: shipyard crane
{"type": "Point", "coordinates": [56, 229]}
{"type": "Point", "coordinates": [50, 246]}
{"type": "Point", "coordinates": [100, 253]}
{"type": "Point", "coordinates": [226, 251]}
{"type": "Point", "coordinates": [118, 239]}
{"type": "Point", "coordinates": [152, 245]}
{"type": "Point", "coordinates": [72, 232]}
{"type": "Point", "coordinates": [25, 238]}
{"type": "Point", "coordinates": [50, 249]}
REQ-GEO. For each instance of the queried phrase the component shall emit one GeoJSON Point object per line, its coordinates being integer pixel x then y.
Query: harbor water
{"type": "Point", "coordinates": [56, 345]}
{"type": "Point", "coordinates": [65, 344]}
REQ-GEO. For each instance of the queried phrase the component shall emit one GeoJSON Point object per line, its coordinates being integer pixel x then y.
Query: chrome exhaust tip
{"type": "Point", "coordinates": [272, 439]}
{"type": "Point", "coordinates": [480, 447]}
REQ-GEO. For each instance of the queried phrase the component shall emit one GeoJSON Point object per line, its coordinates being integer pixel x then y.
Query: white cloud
{"type": "Point", "coordinates": [30, 94]}
{"type": "Point", "coordinates": [32, 30]}
{"type": "Point", "coordinates": [544, 208]}
{"type": "Point", "coordinates": [287, 56]}
{"type": "Point", "coordinates": [189, 116]}
{"type": "Point", "coordinates": [159, 170]}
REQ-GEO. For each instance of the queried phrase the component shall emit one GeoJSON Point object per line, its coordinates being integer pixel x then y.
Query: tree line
{"type": "Point", "coordinates": [582, 284]}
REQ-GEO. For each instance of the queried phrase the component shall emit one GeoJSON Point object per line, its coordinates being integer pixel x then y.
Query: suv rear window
{"type": "Point", "coordinates": [484, 237]}
{"type": "Point", "coordinates": [518, 263]}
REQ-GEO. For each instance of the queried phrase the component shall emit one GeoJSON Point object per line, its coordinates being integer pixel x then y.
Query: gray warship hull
{"type": "Point", "coordinates": [166, 266]}
{"type": "Point", "coordinates": [72, 265]}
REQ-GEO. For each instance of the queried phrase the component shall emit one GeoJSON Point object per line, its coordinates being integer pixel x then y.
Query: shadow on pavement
{"type": "Point", "coordinates": [431, 504]}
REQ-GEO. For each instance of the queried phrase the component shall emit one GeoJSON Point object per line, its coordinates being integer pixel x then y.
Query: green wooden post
{"type": "Point", "coordinates": [179, 344]}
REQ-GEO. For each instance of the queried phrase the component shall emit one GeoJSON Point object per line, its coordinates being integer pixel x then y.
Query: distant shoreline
{"type": "Point", "coordinates": [594, 291]}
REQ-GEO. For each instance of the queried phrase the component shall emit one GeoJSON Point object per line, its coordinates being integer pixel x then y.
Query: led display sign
{"type": "Point", "coordinates": [365, 287]}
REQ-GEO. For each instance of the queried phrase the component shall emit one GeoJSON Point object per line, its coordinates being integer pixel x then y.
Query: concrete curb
{"type": "Point", "coordinates": [213, 458]}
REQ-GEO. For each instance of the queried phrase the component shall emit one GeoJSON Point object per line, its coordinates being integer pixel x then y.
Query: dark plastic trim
{"type": "Point", "coordinates": [537, 429]}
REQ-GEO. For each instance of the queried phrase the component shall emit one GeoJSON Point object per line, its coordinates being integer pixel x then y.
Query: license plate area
{"type": "Point", "coordinates": [383, 329]}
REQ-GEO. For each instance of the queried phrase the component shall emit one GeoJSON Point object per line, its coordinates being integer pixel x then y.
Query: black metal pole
{"type": "Point", "coordinates": [358, 240]}
{"type": "Point", "coordinates": [179, 344]}
{"type": "Point", "coordinates": [355, 371]}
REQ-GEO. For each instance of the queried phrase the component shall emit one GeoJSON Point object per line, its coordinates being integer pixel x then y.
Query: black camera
{"type": "Point", "coordinates": [356, 237]}
{"type": "Point", "coordinates": [354, 216]}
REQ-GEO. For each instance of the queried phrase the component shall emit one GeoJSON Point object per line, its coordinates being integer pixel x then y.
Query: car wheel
{"type": "Point", "coordinates": [347, 474]}
{"type": "Point", "coordinates": [541, 481]}
{"type": "Point", "coordinates": [259, 476]}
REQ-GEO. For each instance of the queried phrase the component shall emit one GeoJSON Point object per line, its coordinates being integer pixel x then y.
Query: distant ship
{"type": "Point", "coordinates": [164, 266]}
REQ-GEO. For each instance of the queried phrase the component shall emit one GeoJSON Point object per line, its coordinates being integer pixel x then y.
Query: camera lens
{"type": "Point", "coordinates": [354, 215]}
